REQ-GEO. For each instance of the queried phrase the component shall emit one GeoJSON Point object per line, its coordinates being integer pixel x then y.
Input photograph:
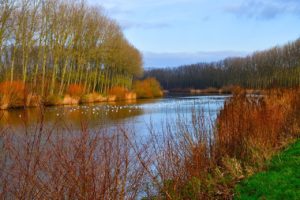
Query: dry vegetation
{"type": "Point", "coordinates": [189, 160]}
{"type": "Point", "coordinates": [148, 88]}
{"type": "Point", "coordinates": [49, 164]}
{"type": "Point", "coordinates": [192, 162]}
{"type": "Point", "coordinates": [12, 93]}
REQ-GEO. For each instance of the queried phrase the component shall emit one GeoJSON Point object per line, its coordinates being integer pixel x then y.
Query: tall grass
{"type": "Point", "coordinates": [250, 127]}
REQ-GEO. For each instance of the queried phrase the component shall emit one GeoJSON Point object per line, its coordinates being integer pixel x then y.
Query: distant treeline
{"type": "Point", "coordinates": [50, 44]}
{"type": "Point", "coordinates": [276, 67]}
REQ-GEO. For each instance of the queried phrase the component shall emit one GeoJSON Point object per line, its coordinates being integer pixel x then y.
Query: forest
{"type": "Point", "coordinates": [48, 47]}
{"type": "Point", "coordinates": [276, 67]}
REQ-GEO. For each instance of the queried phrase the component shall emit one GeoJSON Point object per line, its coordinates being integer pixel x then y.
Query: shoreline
{"type": "Point", "coordinates": [112, 99]}
{"type": "Point", "coordinates": [209, 91]}
{"type": "Point", "coordinates": [66, 100]}
{"type": "Point", "coordinates": [35, 101]}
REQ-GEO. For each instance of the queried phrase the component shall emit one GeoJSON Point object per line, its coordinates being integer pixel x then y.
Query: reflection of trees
{"type": "Point", "coordinates": [20, 116]}
{"type": "Point", "coordinates": [94, 115]}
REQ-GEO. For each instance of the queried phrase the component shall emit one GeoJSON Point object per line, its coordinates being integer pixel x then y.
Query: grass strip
{"type": "Point", "coordinates": [280, 181]}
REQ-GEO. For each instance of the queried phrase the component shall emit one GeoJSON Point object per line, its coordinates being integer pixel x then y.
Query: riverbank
{"type": "Point", "coordinates": [211, 91]}
{"type": "Point", "coordinates": [280, 180]}
{"type": "Point", "coordinates": [18, 95]}
{"type": "Point", "coordinates": [31, 100]}
{"type": "Point", "coordinates": [249, 130]}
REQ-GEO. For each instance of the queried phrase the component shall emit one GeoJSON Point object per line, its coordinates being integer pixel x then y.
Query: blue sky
{"type": "Point", "coordinates": [176, 32]}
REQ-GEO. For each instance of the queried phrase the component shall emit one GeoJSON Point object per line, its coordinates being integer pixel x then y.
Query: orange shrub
{"type": "Point", "coordinates": [12, 93]}
{"type": "Point", "coordinates": [75, 90]}
{"type": "Point", "coordinates": [12, 88]}
{"type": "Point", "coordinates": [118, 91]}
{"type": "Point", "coordinates": [148, 88]}
{"type": "Point", "coordinates": [250, 126]}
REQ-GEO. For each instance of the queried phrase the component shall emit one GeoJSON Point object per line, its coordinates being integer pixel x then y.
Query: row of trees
{"type": "Point", "coordinates": [51, 44]}
{"type": "Point", "coordinates": [276, 67]}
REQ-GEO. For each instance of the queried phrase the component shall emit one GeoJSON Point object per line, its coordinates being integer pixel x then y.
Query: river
{"type": "Point", "coordinates": [139, 114]}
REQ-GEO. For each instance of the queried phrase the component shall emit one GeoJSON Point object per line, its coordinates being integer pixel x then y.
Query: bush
{"type": "Point", "coordinates": [75, 90]}
{"type": "Point", "coordinates": [54, 100]}
{"type": "Point", "coordinates": [148, 88]}
{"type": "Point", "coordinates": [251, 126]}
{"type": "Point", "coordinates": [118, 91]}
{"type": "Point", "coordinates": [12, 93]}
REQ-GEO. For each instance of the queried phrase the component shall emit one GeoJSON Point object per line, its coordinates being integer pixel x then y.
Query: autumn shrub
{"type": "Point", "coordinates": [148, 88]}
{"type": "Point", "coordinates": [75, 90]}
{"type": "Point", "coordinates": [251, 126]}
{"type": "Point", "coordinates": [12, 93]}
{"type": "Point", "coordinates": [119, 92]}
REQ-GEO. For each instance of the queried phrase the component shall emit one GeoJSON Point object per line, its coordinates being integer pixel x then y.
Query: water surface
{"type": "Point", "coordinates": [139, 114]}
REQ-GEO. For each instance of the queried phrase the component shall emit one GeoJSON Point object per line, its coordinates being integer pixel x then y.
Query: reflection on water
{"type": "Point", "coordinates": [138, 113]}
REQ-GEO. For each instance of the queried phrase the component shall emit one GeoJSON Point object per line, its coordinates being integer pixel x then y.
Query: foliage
{"type": "Point", "coordinates": [16, 88]}
{"type": "Point", "coordinates": [119, 92]}
{"type": "Point", "coordinates": [75, 90]}
{"type": "Point", "coordinates": [280, 181]}
{"type": "Point", "coordinates": [148, 88]}
{"type": "Point", "coordinates": [12, 93]}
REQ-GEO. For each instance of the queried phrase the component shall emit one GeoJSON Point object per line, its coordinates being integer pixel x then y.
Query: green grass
{"type": "Point", "coordinates": [280, 181]}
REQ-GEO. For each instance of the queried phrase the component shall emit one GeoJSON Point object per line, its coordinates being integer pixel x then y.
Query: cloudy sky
{"type": "Point", "coordinates": [176, 32]}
